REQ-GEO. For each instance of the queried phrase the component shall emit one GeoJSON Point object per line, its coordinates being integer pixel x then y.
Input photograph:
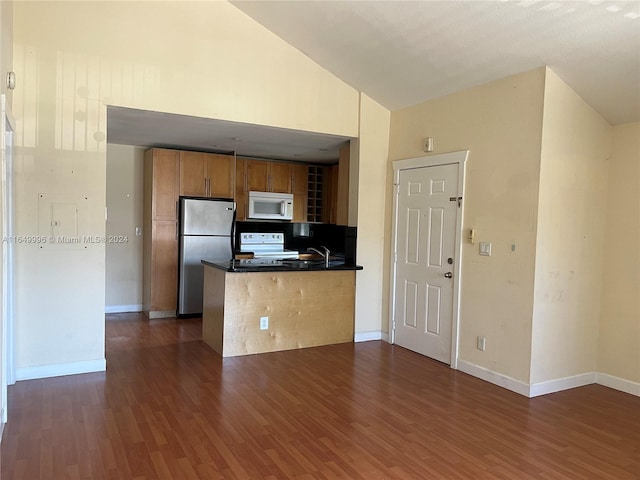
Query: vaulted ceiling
{"type": "Point", "coordinates": [401, 53]}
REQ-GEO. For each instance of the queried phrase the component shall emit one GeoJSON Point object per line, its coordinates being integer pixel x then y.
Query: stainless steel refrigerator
{"type": "Point", "coordinates": [205, 232]}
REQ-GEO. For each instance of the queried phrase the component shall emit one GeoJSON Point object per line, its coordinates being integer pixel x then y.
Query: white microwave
{"type": "Point", "coordinates": [270, 206]}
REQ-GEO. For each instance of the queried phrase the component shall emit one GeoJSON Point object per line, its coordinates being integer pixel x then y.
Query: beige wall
{"type": "Point", "coordinates": [6, 45]}
{"type": "Point", "coordinates": [576, 143]}
{"type": "Point", "coordinates": [500, 123]}
{"type": "Point", "coordinates": [72, 59]}
{"type": "Point", "coordinates": [619, 342]}
{"type": "Point", "coordinates": [371, 180]}
{"type": "Point", "coordinates": [123, 255]}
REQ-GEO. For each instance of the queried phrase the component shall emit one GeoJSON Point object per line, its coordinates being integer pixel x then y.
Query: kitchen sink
{"type": "Point", "coordinates": [301, 263]}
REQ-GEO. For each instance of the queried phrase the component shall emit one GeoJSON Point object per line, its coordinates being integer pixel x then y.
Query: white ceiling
{"type": "Point", "coordinates": [128, 126]}
{"type": "Point", "coordinates": [402, 53]}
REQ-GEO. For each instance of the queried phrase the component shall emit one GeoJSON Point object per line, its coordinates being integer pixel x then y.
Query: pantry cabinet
{"type": "Point", "coordinates": [160, 258]}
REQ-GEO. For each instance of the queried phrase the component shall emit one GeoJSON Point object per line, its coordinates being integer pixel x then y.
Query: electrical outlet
{"type": "Point", "coordinates": [264, 323]}
{"type": "Point", "coordinates": [481, 343]}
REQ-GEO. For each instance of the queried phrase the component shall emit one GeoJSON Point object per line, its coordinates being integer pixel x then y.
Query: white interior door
{"type": "Point", "coordinates": [426, 216]}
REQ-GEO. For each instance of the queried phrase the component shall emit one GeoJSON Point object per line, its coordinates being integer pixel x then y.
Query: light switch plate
{"type": "Point", "coordinates": [485, 249]}
{"type": "Point", "coordinates": [264, 323]}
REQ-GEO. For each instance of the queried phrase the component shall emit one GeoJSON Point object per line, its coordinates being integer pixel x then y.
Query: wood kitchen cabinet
{"type": "Point", "coordinates": [206, 175]}
{"type": "Point", "coordinates": [280, 177]}
{"type": "Point", "coordinates": [270, 176]}
{"type": "Point", "coordinates": [160, 269]}
{"type": "Point", "coordinates": [299, 181]}
{"type": "Point", "coordinates": [339, 190]}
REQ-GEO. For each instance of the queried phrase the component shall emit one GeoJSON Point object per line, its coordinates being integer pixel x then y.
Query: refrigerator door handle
{"type": "Point", "coordinates": [233, 235]}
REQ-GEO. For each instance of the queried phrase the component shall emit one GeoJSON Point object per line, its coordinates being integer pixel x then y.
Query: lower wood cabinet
{"type": "Point", "coordinates": [163, 275]}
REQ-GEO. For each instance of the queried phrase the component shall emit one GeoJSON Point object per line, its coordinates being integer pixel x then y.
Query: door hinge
{"type": "Point", "coordinates": [459, 199]}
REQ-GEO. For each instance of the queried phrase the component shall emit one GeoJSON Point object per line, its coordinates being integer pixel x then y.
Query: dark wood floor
{"type": "Point", "coordinates": [169, 407]}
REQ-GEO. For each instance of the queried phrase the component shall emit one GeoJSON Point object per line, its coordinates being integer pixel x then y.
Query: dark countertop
{"type": "Point", "coordinates": [240, 266]}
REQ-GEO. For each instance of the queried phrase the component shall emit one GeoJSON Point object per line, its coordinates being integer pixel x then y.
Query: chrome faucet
{"type": "Point", "coordinates": [324, 255]}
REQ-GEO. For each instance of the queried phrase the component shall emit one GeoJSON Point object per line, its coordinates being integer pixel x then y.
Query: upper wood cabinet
{"type": "Point", "coordinates": [161, 183]}
{"type": "Point", "coordinates": [280, 177]}
{"type": "Point", "coordinates": [206, 175]}
{"type": "Point", "coordinates": [342, 187]}
{"type": "Point", "coordinates": [256, 175]}
{"type": "Point", "coordinates": [299, 188]}
{"type": "Point", "coordinates": [268, 176]}
{"type": "Point", "coordinates": [299, 178]}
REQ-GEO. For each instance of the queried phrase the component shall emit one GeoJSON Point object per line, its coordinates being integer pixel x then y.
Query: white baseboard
{"type": "Point", "coordinates": [122, 308]}
{"type": "Point", "coordinates": [493, 377]}
{"type": "Point", "coordinates": [551, 386]}
{"type": "Point", "coordinates": [385, 337]}
{"type": "Point", "coordinates": [2, 424]}
{"type": "Point", "coordinates": [60, 369]}
{"type": "Point", "coordinates": [559, 384]}
{"type": "Point", "coordinates": [160, 314]}
{"type": "Point", "coordinates": [617, 383]}
{"type": "Point", "coordinates": [367, 336]}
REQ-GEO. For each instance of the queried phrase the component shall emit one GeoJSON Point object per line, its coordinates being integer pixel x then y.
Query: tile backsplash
{"type": "Point", "coordinates": [300, 236]}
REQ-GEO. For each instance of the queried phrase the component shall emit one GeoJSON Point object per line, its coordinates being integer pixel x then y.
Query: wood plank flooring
{"type": "Point", "coordinates": [168, 407]}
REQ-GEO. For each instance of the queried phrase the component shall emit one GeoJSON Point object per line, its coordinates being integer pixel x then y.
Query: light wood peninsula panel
{"type": "Point", "coordinates": [305, 309]}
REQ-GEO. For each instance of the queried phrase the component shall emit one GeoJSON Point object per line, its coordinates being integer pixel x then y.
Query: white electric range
{"type": "Point", "coordinates": [266, 248]}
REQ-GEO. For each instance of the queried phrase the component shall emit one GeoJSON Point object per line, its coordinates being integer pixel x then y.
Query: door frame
{"type": "Point", "coordinates": [7, 127]}
{"type": "Point", "coordinates": [459, 158]}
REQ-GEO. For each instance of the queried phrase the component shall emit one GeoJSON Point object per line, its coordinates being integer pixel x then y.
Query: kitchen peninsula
{"type": "Point", "coordinates": [301, 304]}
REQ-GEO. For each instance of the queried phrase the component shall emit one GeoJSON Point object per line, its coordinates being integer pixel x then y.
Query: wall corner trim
{"type": "Point", "coordinates": [61, 369]}
{"type": "Point", "coordinates": [560, 384]}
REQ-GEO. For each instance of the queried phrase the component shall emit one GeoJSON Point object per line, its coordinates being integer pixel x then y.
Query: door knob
{"type": "Point", "coordinates": [448, 275]}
